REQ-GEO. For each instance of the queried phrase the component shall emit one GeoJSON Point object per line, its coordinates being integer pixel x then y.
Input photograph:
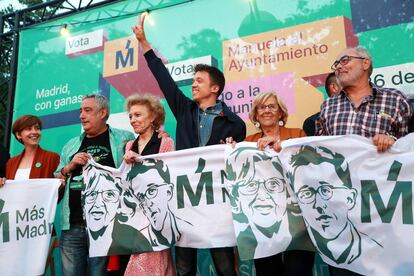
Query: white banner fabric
{"type": "Point", "coordinates": [178, 198]}
{"type": "Point", "coordinates": [266, 219]}
{"type": "Point", "coordinates": [27, 211]}
{"type": "Point", "coordinates": [357, 203]}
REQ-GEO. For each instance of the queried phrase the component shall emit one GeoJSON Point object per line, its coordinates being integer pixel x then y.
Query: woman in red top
{"type": "Point", "coordinates": [33, 162]}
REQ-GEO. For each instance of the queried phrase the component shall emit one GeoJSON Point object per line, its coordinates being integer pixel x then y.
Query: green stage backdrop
{"type": "Point", "coordinates": [261, 45]}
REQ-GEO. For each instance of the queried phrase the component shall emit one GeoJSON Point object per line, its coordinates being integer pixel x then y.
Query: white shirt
{"type": "Point", "coordinates": [22, 174]}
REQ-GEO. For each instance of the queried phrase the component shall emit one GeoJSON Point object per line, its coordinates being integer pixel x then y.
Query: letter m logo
{"type": "Point", "coordinates": [4, 223]}
{"type": "Point", "coordinates": [120, 57]}
{"type": "Point", "coordinates": [185, 187]}
{"type": "Point", "coordinates": [124, 57]}
{"type": "Point", "coordinates": [402, 189]}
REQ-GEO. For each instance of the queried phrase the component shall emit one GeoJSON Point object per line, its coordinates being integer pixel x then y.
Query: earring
{"type": "Point", "coordinates": [281, 123]}
{"type": "Point", "coordinates": [257, 124]}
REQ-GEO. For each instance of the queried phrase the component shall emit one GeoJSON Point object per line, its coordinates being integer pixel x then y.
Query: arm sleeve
{"type": "Point", "coordinates": [4, 156]}
{"type": "Point", "coordinates": [240, 135]}
{"type": "Point", "coordinates": [320, 123]}
{"type": "Point", "coordinates": [404, 117]}
{"type": "Point", "coordinates": [174, 96]}
{"type": "Point", "coordinates": [64, 159]}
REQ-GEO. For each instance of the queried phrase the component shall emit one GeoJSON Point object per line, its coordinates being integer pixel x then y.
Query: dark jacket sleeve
{"type": "Point", "coordinates": [240, 135]}
{"type": "Point", "coordinates": [309, 125]}
{"type": "Point", "coordinates": [4, 156]}
{"type": "Point", "coordinates": [174, 96]}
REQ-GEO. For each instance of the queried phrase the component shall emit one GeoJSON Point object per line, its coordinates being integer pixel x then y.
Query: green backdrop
{"type": "Point", "coordinates": [182, 30]}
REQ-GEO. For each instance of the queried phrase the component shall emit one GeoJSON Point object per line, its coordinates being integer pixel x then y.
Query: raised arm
{"type": "Point", "coordinates": [139, 32]}
{"type": "Point", "coordinates": [174, 96]}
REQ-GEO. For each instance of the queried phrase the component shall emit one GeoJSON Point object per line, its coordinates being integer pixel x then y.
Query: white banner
{"type": "Point", "coordinates": [27, 211]}
{"type": "Point", "coordinates": [178, 198]}
{"type": "Point", "coordinates": [266, 219]}
{"type": "Point", "coordinates": [357, 204]}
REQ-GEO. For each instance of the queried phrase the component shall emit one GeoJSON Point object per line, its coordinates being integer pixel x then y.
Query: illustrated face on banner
{"type": "Point", "coordinates": [101, 200]}
{"type": "Point", "coordinates": [327, 190]}
{"type": "Point", "coordinates": [153, 195]}
{"type": "Point", "coordinates": [324, 195]}
{"type": "Point", "coordinates": [263, 199]}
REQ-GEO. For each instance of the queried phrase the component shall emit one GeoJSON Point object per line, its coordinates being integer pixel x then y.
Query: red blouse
{"type": "Point", "coordinates": [44, 164]}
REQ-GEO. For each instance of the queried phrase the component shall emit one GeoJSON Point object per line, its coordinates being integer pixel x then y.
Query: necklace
{"type": "Point", "coordinates": [142, 144]}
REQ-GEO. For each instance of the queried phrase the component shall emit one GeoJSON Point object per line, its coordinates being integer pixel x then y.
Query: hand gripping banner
{"type": "Point", "coordinates": [354, 204]}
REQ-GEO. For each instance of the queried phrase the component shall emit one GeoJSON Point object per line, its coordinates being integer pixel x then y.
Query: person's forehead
{"type": "Point", "coordinates": [264, 167]}
{"type": "Point", "coordinates": [202, 75]}
{"type": "Point", "coordinates": [316, 175]}
{"type": "Point", "coordinates": [139, 108]}
{"type": "Point", "coordinates": [36, 125]}
{"type": "Point", "coordinates": [347, 52]}
{"type": "Point", "coordinates": [89, 102]}
{"type": "Point", "coordinates": [270, 100]}
{"type": "Point", "coordinates": [103, 184]}
{"type": "Point", "coordinates": [151, 177]}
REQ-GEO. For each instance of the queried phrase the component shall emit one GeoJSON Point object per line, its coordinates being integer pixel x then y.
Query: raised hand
{"type": "Point", "coordinates": [139, 32]}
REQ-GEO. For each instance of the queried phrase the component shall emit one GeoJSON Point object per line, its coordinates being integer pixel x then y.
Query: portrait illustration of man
{"type": "Point", "coordinates": [151, 185]}
{"type": "Point", "coordinates": [259, 202]}
{"type": "Point", "coordinates": [102, 199]}
{"type": "Point", "coordinates": [322, 183]}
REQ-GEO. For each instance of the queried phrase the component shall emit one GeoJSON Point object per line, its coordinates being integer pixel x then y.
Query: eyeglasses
{"type": "Point", "coordinates": [151, 192]}
{"type": "Point", "coordinates": [271, 107]}
{"type": "Point", "coordinates": [272, 185]}
{"type": "Point", "coordinates": [344, 61]}
{"type": "Point", "coordinates": [308, 195]}
{"type": "Point", "coordinates": [109, 196]}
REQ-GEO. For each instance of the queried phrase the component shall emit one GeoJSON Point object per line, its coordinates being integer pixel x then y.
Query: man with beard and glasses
{"type": "Point", "coordinates": [361, 107]}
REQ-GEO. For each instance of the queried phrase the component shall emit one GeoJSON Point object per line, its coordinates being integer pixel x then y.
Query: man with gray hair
{"type": "Point", "coordinates": [106, 146]}
{"type": "Point", "coordinates": [361, 107]}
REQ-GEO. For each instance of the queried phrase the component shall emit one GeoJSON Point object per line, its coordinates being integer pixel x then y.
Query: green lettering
{"type": "Point", "coordinates": [4, 222]}
{"type": "Point", "coordinates": [225, 194]}
{"type": "Point", "coordinates": [24, 217]}
{"type": "Point", "coordinates": [370, 190]}
{"type": "Point", "coordinates": [33, 232]}
{"type": "Point", "coordinates": [206, 180]}
{"type": "Point", "coordinates": [24, 234]}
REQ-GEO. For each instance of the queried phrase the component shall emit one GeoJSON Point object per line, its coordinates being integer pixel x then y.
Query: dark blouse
{"type": "Point", "coordinates": [152, 147]}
